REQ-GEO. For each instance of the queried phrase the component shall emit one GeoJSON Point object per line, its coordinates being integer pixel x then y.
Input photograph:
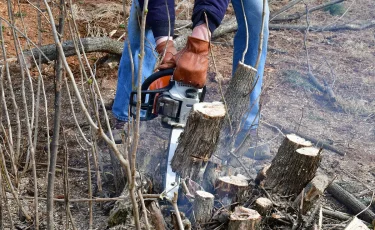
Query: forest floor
{"type": "Point", "coordinates": [344, 59]}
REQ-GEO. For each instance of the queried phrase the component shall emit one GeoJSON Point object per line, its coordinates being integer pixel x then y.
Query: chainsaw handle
{"type": "Point", "coordinates": [153, 77]}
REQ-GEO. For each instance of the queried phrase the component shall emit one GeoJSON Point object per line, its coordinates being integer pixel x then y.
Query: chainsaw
{"type": "Point", "coordinates": [172, 101]}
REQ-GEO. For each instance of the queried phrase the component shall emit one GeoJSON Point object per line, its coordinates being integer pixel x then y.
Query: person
{"type": "Point", "coordinates": [198, 41]}
{"type": "Point", "coordinates": [191, 63]}
{"type": "Point", "coordinates": [253, 10]}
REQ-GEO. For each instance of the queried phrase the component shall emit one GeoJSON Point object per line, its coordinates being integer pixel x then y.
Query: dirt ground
{"type": "Point", "coordinates": [344, 59]}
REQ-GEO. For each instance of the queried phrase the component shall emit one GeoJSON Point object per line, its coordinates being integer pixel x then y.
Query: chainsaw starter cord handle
{"type": "Point", "coordinates": [153, 77]}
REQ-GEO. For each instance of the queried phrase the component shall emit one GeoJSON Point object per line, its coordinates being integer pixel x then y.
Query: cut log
{"type": "Point", "coordinates": [203, 206]}
{"type": "Point", "coordinates": [237, 104]}
{"type": "Point", "coordinates": [356, 224]}
{"type": "Point", "coordinates": [263, 205]}
{"type": "Point", "coordinates": [231, 188]}
{"type": "Point", "coordinates": [199, 139]}
{"type": "Point", "coordinates": [262, 175]}
{"type": "Point", "coordinates": [312, 193]}
{"type": "Point", "coordinates": [294, 166]}
{"type": "Point", "coordinates": [244, 219]}
{"type": "Point", "coordinates": [351, 202]}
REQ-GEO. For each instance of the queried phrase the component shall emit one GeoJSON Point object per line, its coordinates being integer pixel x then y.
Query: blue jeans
{"type": "Point", "coordinates": [124, 83]}
{"type": "Point", "coordinates": [253, 11]}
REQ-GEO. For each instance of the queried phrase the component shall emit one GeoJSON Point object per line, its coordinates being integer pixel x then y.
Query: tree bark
{"type": "Point", "coordinates": [244, 219]}
{"type": "Point", "coordinates": [351, 202]}
{"type": "Point", "coordinates": [312, 193]}
{"type": "Point", "coordinates": [203, 206]}
{"type": "Point", "coordinates": [199, 140]}
{"type": "Point", "coordinates": [294, 165]}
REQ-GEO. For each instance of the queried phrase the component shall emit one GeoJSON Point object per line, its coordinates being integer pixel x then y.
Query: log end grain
{"type": "Point", "coordinates": [309, 151]}
{"type": "Point", "coordinates": [211, 110]}
{"type": "Point", "coordinates": [298, 140]}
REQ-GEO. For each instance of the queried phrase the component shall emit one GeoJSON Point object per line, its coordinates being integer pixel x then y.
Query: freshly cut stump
{"type": "Point", "coordinates": [231, 188]}
{"type": "Point", "coordinates": [263, 205]}
{"type": "Point", "coordinates": [312, 192]}
{"type": "Point", "coordinates": [199, 139]}
{"type": "Point", "coordinates": [244, 219]}
{"type": "Point", "coordinates": [203, 206]}
{"type": "Point", "coordinates": [294, 166]}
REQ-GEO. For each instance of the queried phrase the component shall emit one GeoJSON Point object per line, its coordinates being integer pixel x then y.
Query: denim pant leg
{"type": "Point", "coordinates": [253, 10]}
{"type": "Point", "coordinates": [124, 83]}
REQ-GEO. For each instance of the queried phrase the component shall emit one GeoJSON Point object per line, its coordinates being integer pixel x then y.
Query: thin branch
{"type": "Point", "coordinates": [57, 120]}
{"type": "Point", "coordinates": [140, 196]}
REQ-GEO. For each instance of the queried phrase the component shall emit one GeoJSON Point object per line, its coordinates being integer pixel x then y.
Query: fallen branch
{"type": "Point", "coordinates": [284, 8]}
{"type": "Point", "coordinates": [351, 202]}
{"type": "Point", "coordinates": [350, 26]}
{"type": "Point", "coordinates": [298, 15]}
{"type": "Point", "coordinates": [95, 44]}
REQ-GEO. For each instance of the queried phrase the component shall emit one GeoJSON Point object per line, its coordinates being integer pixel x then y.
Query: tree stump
{"type": "Point", "coordinates": [199, 140]}
{"type": "Point", "coordinates": [312, 193]}
{"type": "Point", "coordinates": [263, 205]}
{"type": "Point", "coordinates": [294, 165]}
{"type": "Point", "coordinates": [231, 188]}
{"type": "Point", "coordinates": [244, 219]}
{"type": "Point", "coordinates": [203, 206]}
